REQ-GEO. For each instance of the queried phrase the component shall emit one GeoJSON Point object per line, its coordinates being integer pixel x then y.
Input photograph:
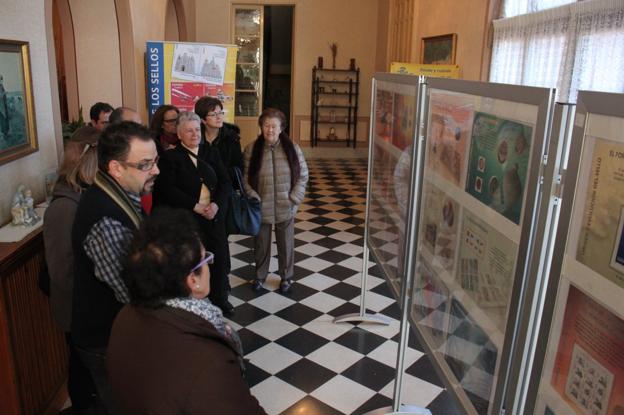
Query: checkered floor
{"type": "Point", "coordinates": [299, 361]}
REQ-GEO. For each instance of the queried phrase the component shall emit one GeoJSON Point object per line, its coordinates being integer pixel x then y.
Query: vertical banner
{"type": "Point", "coordinates": [181, 73]}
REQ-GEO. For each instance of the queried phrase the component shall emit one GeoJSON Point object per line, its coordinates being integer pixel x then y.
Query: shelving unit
{"type": "Point", "coordinates": [334, 105]}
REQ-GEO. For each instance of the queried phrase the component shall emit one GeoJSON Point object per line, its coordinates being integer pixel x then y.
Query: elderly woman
{"type": "Point", "coordinates": [276, 173]}
{"type": "Point", "coordinates": [164, 127]}
{"type": "Point", "coordinates": [76, 173]}
{"type": "Point", "coordinates": [192, 177]}
{"type": "Point", "coordinates": [170, 351]}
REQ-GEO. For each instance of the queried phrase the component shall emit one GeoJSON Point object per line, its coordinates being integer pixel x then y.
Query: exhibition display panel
{"type": "Point", "coordinates": [580, 365]}
{"type": "Point", "coordinates": [394, 122]}
{"type": "Point", "coordinates": [456, 208]}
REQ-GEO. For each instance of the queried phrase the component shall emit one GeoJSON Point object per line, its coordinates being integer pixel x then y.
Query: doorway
{"type": "Point", "coordinates": [277, 62]}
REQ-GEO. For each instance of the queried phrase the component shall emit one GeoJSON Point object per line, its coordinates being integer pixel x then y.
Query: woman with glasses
{"type": "Point", "coordinates": [76, 173]}
{"type": "Point", "coordinates": [192, 177]}
{"type": "Point", "coordinates": [277, 174]}
{"type": "Point", "coordinates": [170, 351]}
{"type": "Point", "coordinates": [163, 127]}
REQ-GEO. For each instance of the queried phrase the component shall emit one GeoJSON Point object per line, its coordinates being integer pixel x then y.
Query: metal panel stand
{"type": "Point", "coordinates": [403, 410]}
{"type": "Point", "coordinates": [363, 316]}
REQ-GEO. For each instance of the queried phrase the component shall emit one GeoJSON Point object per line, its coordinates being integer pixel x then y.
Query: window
{"type": "Point", "coordinates": [574, 46]}
{"type": "Point", "coordinates": [248, 27]}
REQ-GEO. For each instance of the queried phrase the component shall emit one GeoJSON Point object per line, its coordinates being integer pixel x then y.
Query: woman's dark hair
{"type": "Point", "coordinates": [255, 163]}
{"type": "Point", "coordinates": [161, 255]}
{"type": "Point", "coordinates": [203, 106]}
{"type": "Point", "coordinates": [156, 125]}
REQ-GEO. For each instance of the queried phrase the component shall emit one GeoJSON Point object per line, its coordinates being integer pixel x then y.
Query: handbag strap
{"type": "Point", "coordinates": [239, 180]}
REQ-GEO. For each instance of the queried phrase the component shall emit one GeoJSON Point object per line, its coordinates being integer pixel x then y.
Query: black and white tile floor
{"type": "Point", "coordinates": [299, 361]}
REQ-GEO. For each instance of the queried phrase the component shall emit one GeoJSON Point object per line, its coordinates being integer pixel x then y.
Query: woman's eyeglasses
{"type": "Point", "coordinates": [208, 259]}
{"type": "Point", "coordinates": [216, 114]}
{"type": "Point", "coordinates": [171, 120]}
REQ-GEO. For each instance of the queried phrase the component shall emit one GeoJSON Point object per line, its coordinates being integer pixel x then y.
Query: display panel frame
{"type": "Point", "coordinates": [598, 123]}
{"type": "Point", "coordinates": [381, 195]}
{"type": "Point", "coordinates": [539, 101]}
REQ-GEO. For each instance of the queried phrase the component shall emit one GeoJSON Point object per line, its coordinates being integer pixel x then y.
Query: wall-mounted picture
{"type": "Point", "coordinates": [17, 122]}
{"type": "Point", "coordinates": [438, 50]}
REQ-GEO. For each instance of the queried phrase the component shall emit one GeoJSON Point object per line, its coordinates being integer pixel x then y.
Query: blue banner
{"type": "Point", "coordinates": [156, 76]}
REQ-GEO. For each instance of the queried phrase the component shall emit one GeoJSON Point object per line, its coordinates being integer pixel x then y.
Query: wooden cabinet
{"type": "Point", "coordinates": [33, 352]}
{"type": "Point", "coordinates": [334, 105]}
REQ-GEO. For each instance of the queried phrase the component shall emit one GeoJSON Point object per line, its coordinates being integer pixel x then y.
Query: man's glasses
{"type": "Point", "coordinates": [146, 165]}
{"type": "Point", "coordinates": [216, 114]}
{"type": "Point", "coordinates": [208, 259]}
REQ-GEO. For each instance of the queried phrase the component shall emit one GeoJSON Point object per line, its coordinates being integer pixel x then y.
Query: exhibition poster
{"type": "Point", "coordinates": [439, 225]}
{"type": "Point", "coordinates": [403, 123]}
{"type": "Point", "coordinates": [589, 365]}
{"type": "Point", "coordinates": [601, 246]}
{"type": "Point", "coordinates": [450, 125]}
{"type": "Point", "coordinates": [181, 73]}
{"type": "Point", "coordinates": [498, 163]}
{"type": "Point", "coordinates": [485, 267]}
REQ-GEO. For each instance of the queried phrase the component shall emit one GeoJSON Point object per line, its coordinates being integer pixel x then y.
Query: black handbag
{"type": "Point", "coordinates": [244, 210]}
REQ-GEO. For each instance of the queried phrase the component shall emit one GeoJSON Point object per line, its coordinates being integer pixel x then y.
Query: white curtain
{"type": "Point", "coordinates": [571, 47]}
{"type": "Point", "coordinates": [516, 7]}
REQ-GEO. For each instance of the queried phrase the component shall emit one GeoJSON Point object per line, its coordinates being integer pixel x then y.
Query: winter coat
{"type": "Point", "coordinates": [170, 361]}
{"type": "Point", "coordinates": [279, 200]}
{"type": "Point", "coordinates": [57, 225]}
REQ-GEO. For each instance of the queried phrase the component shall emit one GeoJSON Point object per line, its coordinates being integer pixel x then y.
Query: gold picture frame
{"type": "Point", "coordinates": [18, 133]}
{"type": "Point", "coordinates": [439, 50]}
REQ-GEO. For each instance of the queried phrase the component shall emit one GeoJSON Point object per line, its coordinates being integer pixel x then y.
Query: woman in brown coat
{"type": "Point", "coordinates": [170, 351]}
{"type": "Point", "coordinates": [277, 174]}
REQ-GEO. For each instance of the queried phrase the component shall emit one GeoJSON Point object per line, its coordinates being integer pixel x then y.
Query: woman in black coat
{"type": "Point", "coordinates": [193, 177]}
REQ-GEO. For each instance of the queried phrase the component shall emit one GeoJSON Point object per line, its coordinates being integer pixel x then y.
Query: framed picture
{"type": "Point", "coordinates": [18, 135]}
{"type": "Point", "coordinates": [438, 50]}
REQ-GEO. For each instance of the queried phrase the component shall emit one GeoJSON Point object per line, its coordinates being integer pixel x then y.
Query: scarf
{"type": "Point", "coordinates": [205, 309]}
{"type": "Point", "coordinates": [118, 195]}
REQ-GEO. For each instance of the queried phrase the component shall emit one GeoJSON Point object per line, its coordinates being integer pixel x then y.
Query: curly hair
{"type": "Point", "coordinates": [161, 255]}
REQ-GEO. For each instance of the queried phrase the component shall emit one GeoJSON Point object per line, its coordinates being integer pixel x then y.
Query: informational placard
{"type": "Point", "coordinates": [583, 371]}
{"type": "Point", "coordinates": [438, 71]}
{"type": "Point", "coordinates": [394, 129]}
{"type": "Point", "coordinates": [478, 153]}
{"type": "Point", "coordinates": [181, 73]}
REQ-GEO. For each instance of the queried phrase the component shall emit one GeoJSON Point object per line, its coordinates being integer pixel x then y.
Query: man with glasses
{"type": "Point", "coordinates": [108, 213]}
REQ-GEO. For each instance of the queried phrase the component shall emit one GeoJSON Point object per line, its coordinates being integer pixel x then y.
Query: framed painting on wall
{"type": "Point", "coordinates": [18, 135]}
{"type": "Point", "coordinates": [438, 50]}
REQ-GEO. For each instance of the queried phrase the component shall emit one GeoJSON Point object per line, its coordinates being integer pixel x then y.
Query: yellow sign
{"type": "Point", "coordinates": [436, 71]}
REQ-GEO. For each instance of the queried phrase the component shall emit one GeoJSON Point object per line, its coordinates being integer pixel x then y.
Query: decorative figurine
{"type": "Point", "coordinates": [23, 208]}
{"type": "Point", "coordinates": [332, 134]}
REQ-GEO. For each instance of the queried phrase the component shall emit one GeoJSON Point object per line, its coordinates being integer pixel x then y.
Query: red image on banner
{"type": "Point", "coordinates": [589, 366]}
{"type": "Point", "coordinates": [184, 95]}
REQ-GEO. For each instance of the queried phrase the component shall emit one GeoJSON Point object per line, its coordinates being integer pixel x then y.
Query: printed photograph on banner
{"type": "Point", "coordinates": [184, 95]}
{"type": "Point", "coordinates": [485, 267]}
{"type": "Point", "coordinates": [384, 114]}
{"type": "Point", "coordinates": [588, 372]}
{"type": "Point", "coordinates": [432, 305]}
{"type": "Point", "coordinates": [449, 131]}
{"type": "Point", "coordinates": [438, 227]}
{"type": "Point", "coordinates": [199, 63]}
{"type": "Point", "coordinates": [498, 163]}
{"type": "Point", "coordinates": [600, 245]}
{"type": "Point", "coordinates": [404, 124]}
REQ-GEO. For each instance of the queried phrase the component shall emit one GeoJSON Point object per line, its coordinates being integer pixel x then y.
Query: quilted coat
{"type": "Point", "coordinates": [279, 200]}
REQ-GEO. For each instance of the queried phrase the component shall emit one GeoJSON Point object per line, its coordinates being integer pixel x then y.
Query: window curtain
{"type": "Point", "coordinates": [570, 47]}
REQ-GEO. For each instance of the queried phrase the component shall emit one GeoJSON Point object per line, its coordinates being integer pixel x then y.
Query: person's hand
{"type": "Point", "coordinates": [211, 210]}
{"type": "Point", "coordinates": [200, 209]}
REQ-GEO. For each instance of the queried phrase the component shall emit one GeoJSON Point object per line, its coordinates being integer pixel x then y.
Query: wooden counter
{"type": "Point", "coordinates": [33, 352]}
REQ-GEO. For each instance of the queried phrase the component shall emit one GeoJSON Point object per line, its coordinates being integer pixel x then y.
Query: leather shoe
{"type": "Point", "coordinates": [256, 285]}
{"type": "Point", "coordinates": [286, 286]}
{"type": "Point", "coordinates": [227, 308]}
